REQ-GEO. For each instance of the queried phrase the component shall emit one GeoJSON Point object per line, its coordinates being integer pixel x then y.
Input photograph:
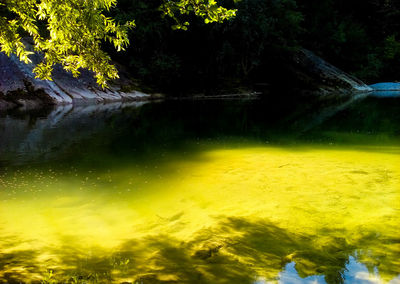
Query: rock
{"type": "Point", "coordinates": [207, 253]}
{"type": "Point", "coordinates": [388, 86]}
{"type": "Point", "coordinates": [326, 77]}
{"type": "Point", "coordinates": [386, 90]}
{"type": "Point", "coordinates": [6, 105]}
{"type": "Point", "coordinates": [17, 83]}
{"type": "Point", "coordinates": [306, 72]}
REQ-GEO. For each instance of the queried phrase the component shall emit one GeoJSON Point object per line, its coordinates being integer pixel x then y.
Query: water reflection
{"type": "Point", "coordinates": [386, 94]}
{"type": "Point", "coordinates": [170, 194]}
{"type": "Point", "coordinates": [41, 135]}
{"type": "Point", "coordinates": [289, 275]}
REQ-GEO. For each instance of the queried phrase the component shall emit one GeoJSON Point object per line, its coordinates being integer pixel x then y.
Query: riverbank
{"type": "Point", "coordinates": [20, 88]}
{"type": "Point", "coordinates": [304, 73]}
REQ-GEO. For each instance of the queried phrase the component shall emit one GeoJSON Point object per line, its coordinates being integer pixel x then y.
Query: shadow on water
{"type": "Point", "coordinates": [237, 250]}
{"type": "Point", "coordinates": [118, 134]}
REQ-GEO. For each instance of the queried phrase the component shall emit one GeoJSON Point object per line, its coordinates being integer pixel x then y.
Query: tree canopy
{"type": "Point", "coordinates": [360, 37]}
{"type": "Point", "coordinates": [71, 32]}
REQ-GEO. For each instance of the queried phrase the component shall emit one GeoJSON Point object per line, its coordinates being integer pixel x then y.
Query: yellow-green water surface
{"type": "Point", "coordinates": [201, 192]}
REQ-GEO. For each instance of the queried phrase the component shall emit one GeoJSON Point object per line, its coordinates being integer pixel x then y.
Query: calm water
{"type": "Point", "coordinates": [240, 191]}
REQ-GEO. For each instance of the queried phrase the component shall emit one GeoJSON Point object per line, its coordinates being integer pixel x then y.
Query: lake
{"type": "Point", "coordinates": [202, 191]}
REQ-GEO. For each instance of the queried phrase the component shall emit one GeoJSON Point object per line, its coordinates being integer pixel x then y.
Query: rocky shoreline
{"type": "Point", "coordinates": [311, 73]}
{"type": "Point", "coordinates": [19, 88]}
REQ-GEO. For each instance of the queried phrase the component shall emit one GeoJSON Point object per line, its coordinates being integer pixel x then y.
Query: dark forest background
{"type": "Point", "coordinates": [360, 37]}
{"type": "Point", "coordinates": [256, 48]}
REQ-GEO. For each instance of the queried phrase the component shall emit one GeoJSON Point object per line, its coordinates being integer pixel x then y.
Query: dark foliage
{"type": "Point", "coordinates": [361, 37]}
{"type": "Point", "coordinates": [207, 57]}
{"type": "Point", "coordinates": [358, 36]}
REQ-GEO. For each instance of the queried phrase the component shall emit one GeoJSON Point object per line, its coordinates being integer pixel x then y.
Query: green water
{"type": "Point", "coordinates": [214, 191]}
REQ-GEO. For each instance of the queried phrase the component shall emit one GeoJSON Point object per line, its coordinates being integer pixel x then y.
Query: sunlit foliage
{"type": "Point", "coordinates": [71, 32]}
{"type": "Point", "coordinates": [209, 10]}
